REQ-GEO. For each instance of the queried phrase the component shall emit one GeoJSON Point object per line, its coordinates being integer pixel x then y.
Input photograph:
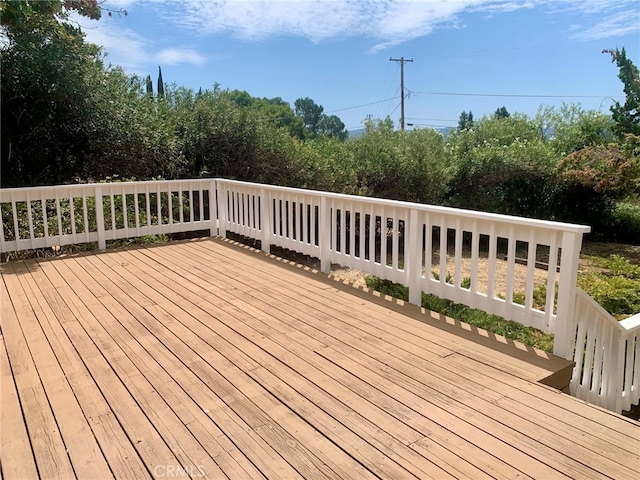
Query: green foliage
{"type": "Point", "coordinates": [387, 287]}
{"type": "Point", "coordinates": [627, 116]}
{"type": "Point", "coordinates": [539, 297]}
{"type": "Point", "coordinates": [588, 183]}
{"type": "Point", "coordinates": [624, 222]}
{"type": "Point", "coordinates": [465, 121]}
{"type": "Point", "coordinates": [48, 78]}
{"type": "Point", "coordinates": [401, 165]}
{"type": "Point", "coordinates": [160, 83]}
{"type": "Point", "coordinates": [618, 265]}
{"type": "Point", "coordinates": [616, 287]}
{"type": "Point", "coordinates": [502, 112]}
{"type": "Point", "coordinates": [572, 128]}
{"type": "Point", "coordinates": [501, 165]}
{"type": "Point", "coordinates": [316, 123]}
{"type": "Point", "coordinates": [617, 294]}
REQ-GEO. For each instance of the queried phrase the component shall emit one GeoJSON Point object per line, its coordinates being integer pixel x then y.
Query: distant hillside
{"type": "Point", "coordinates": [358, 132]}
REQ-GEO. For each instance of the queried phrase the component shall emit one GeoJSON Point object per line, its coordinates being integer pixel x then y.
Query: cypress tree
{"type": "Point", "coordinates": [160, 83]}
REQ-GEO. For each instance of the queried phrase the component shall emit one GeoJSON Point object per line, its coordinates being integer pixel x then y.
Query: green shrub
{"type": "Point", "coordinates": [617, 294]}
{"type": "Point", "coordinates": [625, 222]}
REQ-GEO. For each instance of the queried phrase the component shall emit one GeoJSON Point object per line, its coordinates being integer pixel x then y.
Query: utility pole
{"type": "Point", "coordinates": [402, 61]}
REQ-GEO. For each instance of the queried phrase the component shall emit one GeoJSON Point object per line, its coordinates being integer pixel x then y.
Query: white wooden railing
{"type": "Point", "coordinates": [607, 356]}
{"type": "Point", "coordinates": [42, 217]}
{"type": "Point", "coordinates": [452, 253]}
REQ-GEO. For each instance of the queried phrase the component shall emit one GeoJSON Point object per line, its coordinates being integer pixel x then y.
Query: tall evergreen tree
{"type": "Point", "coordinates": [465, 121]}
{"type": "Point", "coordinates": [160, 83]}
{"type": "Point", "coordinates": [627, 116]}
{"type": "Point", "coordinates": [502, 112]}
{"type": "Point", "coordinates": [149, 85]}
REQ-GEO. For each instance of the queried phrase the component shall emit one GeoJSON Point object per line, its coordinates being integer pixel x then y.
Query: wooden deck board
{"type": "Point", "coordinates": [207, 359]}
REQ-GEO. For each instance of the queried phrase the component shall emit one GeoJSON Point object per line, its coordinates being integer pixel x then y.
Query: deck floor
{"type": "Point", "coordinates": [205, 359]}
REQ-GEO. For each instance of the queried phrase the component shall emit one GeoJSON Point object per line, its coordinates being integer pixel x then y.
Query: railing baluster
{"type": "Point", "coordinates": [30, 219]}
{"type": "Point", "coordinates": [475, 253]}
{"type": "Point", "coordinates": [58, 216]}
{"type": "Point", "coordinates": [85, 214]}
{"type": "Point", "coordinates": [102, 244]}
{"type": "Point", "coordinates": [511, 263]}
{"type": "Point", "coordinates": [457, 275]}
{"type": "Point", "coordinates": [530, 282]}
{"type": "Point", "coordinates": [443, 253]}
{"type": "Point", "coordinates": [45, 219]}
{"type": "Point", "coordinates": [491, 281]}
{"type": "Point", "coordinates": [136, 209]}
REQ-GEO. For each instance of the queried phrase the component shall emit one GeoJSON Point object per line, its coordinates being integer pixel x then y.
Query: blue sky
{"type": "Point", "coordinates": [337, 52]}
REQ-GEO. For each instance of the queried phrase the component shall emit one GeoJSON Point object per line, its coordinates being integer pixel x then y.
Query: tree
{"type": "Point", "coordinates": [48, 81]}
{"type": "Point", "coordinates": [502, 113]}
{"type": "Point", "coordinates": [332, 126]}
{"type": "Point", "coordinates": [160, 83]}
{"type": "Point", "coordinates": [627, 116]}
{"type": "Point", "coordinates": [149, 85]}
{"type": "Point", "coordinates": [571, 128]}
{"type": "Point", "coordinates": [465, 121]}
{"type": "Point", "coordinates": [310, 112]}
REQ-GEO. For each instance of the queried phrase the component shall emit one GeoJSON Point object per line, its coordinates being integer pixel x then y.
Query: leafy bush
{"type": "Point", "coordinates": [400, 165]}
{"type": "Point", "coordinates": [572, 128]}
{"type": "Point", "coordinates": [616, 288]}
{"type": "Point", "coordinates": [500, 165]}
{"type": "Point", "coordinates": [624, 223]}
{"type": "Point", "coordinates": [619, 295]}
{"type": "Point", "coordinates": [589, 182]}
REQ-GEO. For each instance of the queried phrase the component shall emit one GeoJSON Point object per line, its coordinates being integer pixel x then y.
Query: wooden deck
{"type": "Point", "coordinates": [204, 359]}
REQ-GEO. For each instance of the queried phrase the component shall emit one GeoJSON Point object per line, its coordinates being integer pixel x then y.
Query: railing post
{"type": "Point", "coordinates": [565, 311]}
{"type": "Point", "coordinates": [213, 208]}
{"type": "Point", "coordinates": [324, 236]}
{"type": "Point", "coordinates": [413, 259]}
{"type": "Point", "coordinates": [102, 243]}
{"type": "Point", "coordinates": [265, 220]}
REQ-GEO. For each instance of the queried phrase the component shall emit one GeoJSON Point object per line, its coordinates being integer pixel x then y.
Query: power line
{"type": "Point", "coordinates": [387, 85]}
{"type": "Point", "coordinates": [432, 119]}
{"type": "Point", "coordinates": [516, 95]}
{"type": "Point", "coordinates": [394, 111]}
{"type": "Point", "coordinates": [363, 105]}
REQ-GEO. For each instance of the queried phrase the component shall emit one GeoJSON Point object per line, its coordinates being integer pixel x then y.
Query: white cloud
{"type": "Point", "coordinates": [386, 22]}
{"type": "Point", "coordinates": [125, 47]}
{"type": "Point", "coordinates": [614, 25]}
{"type": "Point", "coordinates": [130, 50]}
{"type": "Point", "coordinates": [173, 56]}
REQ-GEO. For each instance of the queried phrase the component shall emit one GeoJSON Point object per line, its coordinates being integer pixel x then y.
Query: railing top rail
{"type": "Point", "coordinates": [472, 214]}
{"type": "Point", "coordinates": [631, 323]}
{"type": "Point", "coordinates": [79, 186]}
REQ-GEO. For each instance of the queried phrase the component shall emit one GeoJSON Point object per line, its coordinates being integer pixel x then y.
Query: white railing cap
{"type": "Point", "coordinates": [472, 214]}
{"type": "Point", "coordinates": [631, 323]}
{"type": "Point", "coordinates": [102, 184]}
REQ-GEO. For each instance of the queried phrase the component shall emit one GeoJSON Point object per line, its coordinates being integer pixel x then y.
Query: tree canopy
{"type": "Point", "coordinates": [465, 121]}
{"type": "Point", "coordinates": [626, 116]}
